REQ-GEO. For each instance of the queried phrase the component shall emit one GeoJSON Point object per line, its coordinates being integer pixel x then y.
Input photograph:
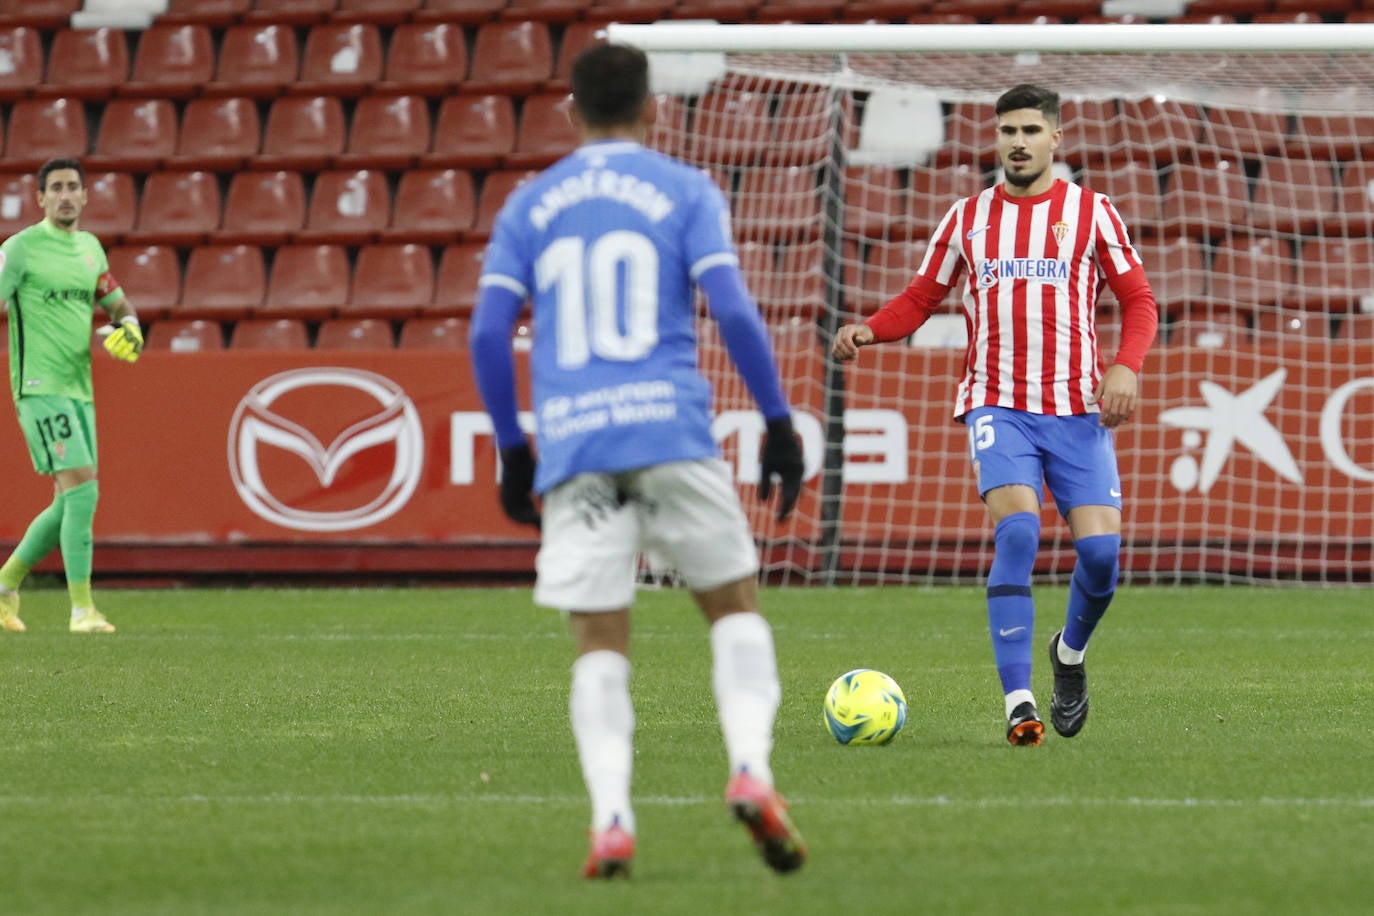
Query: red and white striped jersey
{"type": "Point", "coordinates": [1035, 267]}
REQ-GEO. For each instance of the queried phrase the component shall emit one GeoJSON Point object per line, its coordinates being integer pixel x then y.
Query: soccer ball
{"type": "Point", "coordinates": [864, 707]}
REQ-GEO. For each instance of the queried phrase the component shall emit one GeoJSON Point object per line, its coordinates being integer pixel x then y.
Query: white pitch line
{"type": "Point", "coordinates": [933, 801]}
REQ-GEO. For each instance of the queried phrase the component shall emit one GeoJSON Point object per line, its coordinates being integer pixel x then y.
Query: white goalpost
{"type": "Point", "coordinates": [1241, 157]}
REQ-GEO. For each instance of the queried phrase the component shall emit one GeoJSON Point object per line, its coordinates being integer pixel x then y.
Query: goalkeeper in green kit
{"type": "Point", "coordinates": [53, 276]}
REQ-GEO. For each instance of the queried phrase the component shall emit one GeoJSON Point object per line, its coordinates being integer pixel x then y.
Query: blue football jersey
{"type": "Point", "coordinates": [607, 244]}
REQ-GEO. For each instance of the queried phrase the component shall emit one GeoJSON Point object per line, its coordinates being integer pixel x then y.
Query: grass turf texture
{"type": "Point", "coordinates": [399, 751]}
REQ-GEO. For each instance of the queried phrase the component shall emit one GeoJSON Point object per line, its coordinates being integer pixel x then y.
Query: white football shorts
{"type": "Point", "coordinates": [685, 514]}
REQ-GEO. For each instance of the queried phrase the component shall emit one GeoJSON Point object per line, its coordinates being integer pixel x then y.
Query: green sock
{"type": "Point", "coordinates": [78, 518]}
{"type": "Point", "coordinates": [37, 543]}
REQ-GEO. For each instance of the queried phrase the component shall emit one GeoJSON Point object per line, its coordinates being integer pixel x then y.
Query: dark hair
{"type": "Point", "coordinates": [1028, 95]}
{"type": "Point", "coordinates": [610, 84]}
{"type": "Point", "coordinates": [52, 165]}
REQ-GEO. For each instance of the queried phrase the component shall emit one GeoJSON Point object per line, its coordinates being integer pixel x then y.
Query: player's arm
{"type": "Point", "coordinates": [899, 318]}
{"type": "Point", "coordinates": [13, 261]}
{"type": "Point", "coordinates": [746, 340]}
{"type": "Point", "coordinates": [124, 338]}
{"type": "Point", "coordinates": [1118, 393]}
{"type": "Point", "coordinates": [493, 367]}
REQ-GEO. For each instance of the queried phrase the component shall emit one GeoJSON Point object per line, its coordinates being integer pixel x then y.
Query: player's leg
{"type": "Point", "coordinates": [38, 541]}
{"type": "Point", "coordinates": [701, 530]}
{"type": "Point", "coordinates": [47, 426]}
{"type": "Point", "coordinates": [1007, 466]}
{"type": "Point", "coordinates": [1082, 473]}
{"type": "Point", "coordinates": [586, 567]}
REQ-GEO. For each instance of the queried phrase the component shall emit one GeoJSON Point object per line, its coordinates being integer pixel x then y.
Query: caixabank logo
{"type": "Point", "coordinates": [325, 449]}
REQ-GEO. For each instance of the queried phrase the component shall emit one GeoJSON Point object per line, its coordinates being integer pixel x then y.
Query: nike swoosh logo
{"type": "Point", "coordinates": [1009, 631]}
{"type": "Point", "coordinates": [972, 232]}
{"type": "Point", "coordinates": [1116, 494]}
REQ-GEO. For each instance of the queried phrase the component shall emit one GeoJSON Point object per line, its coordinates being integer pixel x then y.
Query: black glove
{"type": "Point", "coordinates": [782, 455]}
{"type": "Point", "coordinates": [517, 484]}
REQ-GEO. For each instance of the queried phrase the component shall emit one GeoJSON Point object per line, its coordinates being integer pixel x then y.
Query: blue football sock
{"type": "Point", "coordinates": [1092, 587]}
{"type": "Point", "coordinates": [1011, 610]}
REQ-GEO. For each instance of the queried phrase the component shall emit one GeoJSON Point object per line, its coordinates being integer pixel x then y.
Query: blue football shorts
{"type": "Point", "coordinates": [1074, 456]}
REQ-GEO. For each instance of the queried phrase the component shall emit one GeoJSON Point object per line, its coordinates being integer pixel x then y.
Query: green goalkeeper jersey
{"type": "Point", "coordinates": [53, 280]}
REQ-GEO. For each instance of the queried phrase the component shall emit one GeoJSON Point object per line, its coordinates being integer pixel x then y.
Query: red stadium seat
{"type": "Point", "coordinates": [473, 132]}
{"type": "Point", "coordinates": [648, 10]}
{"type": "Point", "coordinates": [355, 334]}
{"type": "Point", "coordinates": [1354, 213]}
{"type": "Point", "coordinates": [340, 59]}
{"type": "Point", "coordinates": [219, 134]}
{"type": "Point", "coordinates": [425, 58]}
{"type": "Point", "coordinates": [41, 129]}
{"type": "Point", "coordinates": [172, 61]}
{"type": "Point", "coordinates": [111, 205]}
{"type": "Point", "coordinates": [1253, 132]}
{"type": "Point", "coordinates": [934, 190]}
{"type": "Point", "coordinates": [1355, 328]}
{"type": "Point", "coordinates": [1335, 275]}
{"type": "Point", "coordinates": [629, 10]}
{"type": "Point", "coordinates": [1286, 327]}
{"type": "Point", "coordinates": [874, 201]}
{"type": "Point", "coordinates": [303, 132]}
{"type": "Point", "coordinates": [1133, 188]}
{"type": "Point", "coordinates": [433, 207]}
{"type": "Point", "coordinates": [1174, 267]}
{"type": "Point", "coordinates": [1250, 272]}
{"type": "Point", "coordinates": [39, 14]}
{"type": "Point", "coordinates": [255, 60]}
{"type": "Point", "coordinates": [429, 333]}
{"type": "Point", "coordinates": [798, 11]}
{"type": "Point", "coordinates": [217, 14]}
{"type": "Point", "coordinates": [392, 281]}
{"type": "Point", "coordinates": [346, 208]}
{"type": "Point", "coordinates": [546, 10]}
{"type": "Point", "coordinates": [150, 275]}
{"type": "Point", "coordinates": [179, 209]}
{"type": "Point", "coordinates": [290, 12]}
{"type": "Point", "coordinates": [800, 126]}
{"type": "Point", "coordinates": [181, 335]}
{"type": "Point", "coordinates": [496, 186]}
{"type": "Point", "coordinates": [223, 282]}
{"type": "Point", "coordinates": [1334, 124]}
{"type": "Point", "coordinates": [388, 132]}
{"type": "Point", "coordinates": [262, 208]}
{"type": "Point", "coordinates": [459, 12]}
{"type": "Point", "coordinates": [1092, 131]}
{"type": "Point", "coordinates": [307, 281]}
{"type": "Point", "coordinates": [1293, 195]}
{"type": "Point", "coordinates": [888, 269]}
{"type": "Point", "coordinates": [23, 47]}
{"type": "Point", "coordinates": [86, 64]}
{"type": "Point", "coordinates": [797, 286]}
{"type": "Point", "coordinates": [546, 132]}
{"type": "Point", "coordinates": [732, 126]}
{"type": "Point", "coordinates": [1209, 327]}
{"type": "Point", "coordinates": [1205, 200]}
{"type": "Point", "coordinates": [970, 136]}
{"type": "Point", "coordinates": [510, 57]}
{"type": "Point", "coordinates": [18, 202]}
{"type": "Point", "coordinates": [668, 134]}
{"type": "Point", "coordinates": [377, 12]}
{"type": "Point", "coordinates": [778, 204]}
{"type": "Point", "coordinates": [577, 37]}
{"type": "Point", "coordinates": [455, 292]}
{"type": "Point", "coordinates": [1159, 131]}
{"type": "Point", "coordinates": [136, 135]}
{"type": "Point", "coordinates": [270, 334]}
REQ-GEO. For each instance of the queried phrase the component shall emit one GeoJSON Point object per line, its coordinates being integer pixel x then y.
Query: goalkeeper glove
{"type": "Point", "coordinates": [517, 484]}
{"type": "Point", "coordinates": [125, 342]}
{"type": "Point", "coordinates": [782, 456]}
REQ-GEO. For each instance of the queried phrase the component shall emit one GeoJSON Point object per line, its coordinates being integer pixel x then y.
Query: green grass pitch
{"type": "Point", "coordinates": [408, 751]}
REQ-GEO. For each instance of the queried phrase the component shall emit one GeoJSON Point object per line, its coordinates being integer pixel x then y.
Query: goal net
{"type": "Point", "coordinates": [1242, 159]}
